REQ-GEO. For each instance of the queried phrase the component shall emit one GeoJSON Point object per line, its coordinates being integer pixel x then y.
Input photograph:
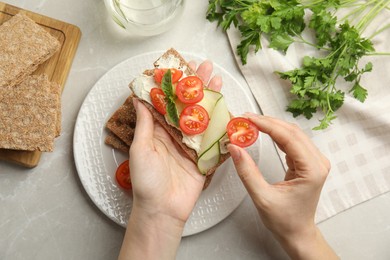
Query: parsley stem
{"type": "Point", "coordinates": [302, 40]}
{"type": "Point", "coordinates": [374, 11]}
{"type": "Point", "coordinates": [377, 53]}
{"type": "Point", "coordinates": [356, 11]}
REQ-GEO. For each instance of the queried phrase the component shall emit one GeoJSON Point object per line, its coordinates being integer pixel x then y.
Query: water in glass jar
{"type": "Point", "coordinates": [145, 17]}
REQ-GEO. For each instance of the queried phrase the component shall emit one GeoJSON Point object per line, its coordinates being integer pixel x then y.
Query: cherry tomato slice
{"type": "Point", "coordinates": [159, 74]}
{"type": "Point", "coordinates": [189, 90]}
{"type": "Point", "coordinates": [122, 175]}
{"type": "Point", "coordinates": [194, 119]}
{"type": "Point", "coordinates": [242, 132]}
{"type": "Point", "coordinates": [158, 100]}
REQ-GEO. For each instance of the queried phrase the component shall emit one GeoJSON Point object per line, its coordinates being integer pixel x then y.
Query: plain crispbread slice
{"type": "Point", "coordinates": [41, 84]}
{"type": "Point", "coordinates": [55, 88]}
{"type": "Point", "coordinates": [28, 115]}
{"type": "Point", "coordinates": [23, 46]}
{"type": "Point", "coordinates": [174, 132]}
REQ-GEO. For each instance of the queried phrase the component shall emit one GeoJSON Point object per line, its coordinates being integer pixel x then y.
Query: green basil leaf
{"type": "Point", "coordinates": [172, 112]}
{"type": "Point", "coordinates": [167, 87]}
{"type": "Point", "coordinates": [166, 84]}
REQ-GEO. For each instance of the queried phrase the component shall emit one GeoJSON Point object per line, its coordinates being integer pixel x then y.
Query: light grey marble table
{"type": "Point", "coordinates": [45, 212]}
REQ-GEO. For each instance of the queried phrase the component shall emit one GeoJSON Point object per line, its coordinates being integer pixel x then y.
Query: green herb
{"type": "Point", "coordinates": [166, 85]}
{"type": "Point", "coordinates": [314, 84]}
{"type": "Point", "coordinates": [279, 20]}
{"type": "Point", "coordinates": [340, 45]}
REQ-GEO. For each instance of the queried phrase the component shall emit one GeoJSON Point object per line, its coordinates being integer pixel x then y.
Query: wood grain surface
{"type": "Point", "coordinates": [57, 67]}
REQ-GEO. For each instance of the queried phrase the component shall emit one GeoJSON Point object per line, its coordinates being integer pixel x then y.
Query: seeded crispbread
{"type": "Point", "coordinates": [23, 46]}
{"type": "Point", "coordinates": [122, 122]}
{"type": "Point", "coordinates": [28, 114]}
{"type": "Point", "coordinates": [55, 88]}
{"type": "Point", "coordinates": [174, 132]}
{"type": "Point", "coordinates": [30, 87]}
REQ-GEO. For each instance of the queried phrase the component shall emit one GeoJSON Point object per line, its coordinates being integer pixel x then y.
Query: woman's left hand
{"type": "Point", "coordinates": [166, 183]}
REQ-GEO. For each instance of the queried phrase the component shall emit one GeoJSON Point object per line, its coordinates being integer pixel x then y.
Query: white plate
{"type": "Point", "coordinates": [96, 162]}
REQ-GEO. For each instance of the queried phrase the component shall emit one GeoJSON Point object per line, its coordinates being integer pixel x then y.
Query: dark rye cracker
{"type": "Point", "coordinates": [28, 115]}
{"type": "Point", "coordinates": [122, 123]}
{"type": "Point", "coordinates": [114, 141]}
{"type": "Point", "coordinates": [23, 46]}
{"type": "Point", "coordinates": [174, 132]}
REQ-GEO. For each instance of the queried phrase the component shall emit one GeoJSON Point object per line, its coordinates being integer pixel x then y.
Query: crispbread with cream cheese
{"type": "Point", "coordinates": [182, 63]}
{"type": "Point", "coordinates": [173, 131]}
{"type": "Point", "coordinates": [23, 46]}
{"type": "Point", "coordinates": [28, 114]}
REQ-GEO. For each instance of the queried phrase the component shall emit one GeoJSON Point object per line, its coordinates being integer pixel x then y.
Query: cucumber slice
{"type": "Point", "coordinates": [217, 125]}
{"type": "Point", "coordinates": [209, 158]}
{"type": "Point", "coordinates": [210, 152]}
{"type": "Point", "coordinates": [209, 100]}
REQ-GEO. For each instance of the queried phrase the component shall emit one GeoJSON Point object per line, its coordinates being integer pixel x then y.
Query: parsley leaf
{"type": "Point", "coordinates": [359, 92]}
{"type": "Point", "coordinates": [280, 41]}
{"type": "Point", "coordinates": [324, 25]}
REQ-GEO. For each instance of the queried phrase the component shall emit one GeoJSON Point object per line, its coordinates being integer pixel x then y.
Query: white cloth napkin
{"type": "Point", "coordinates": [358, 141]}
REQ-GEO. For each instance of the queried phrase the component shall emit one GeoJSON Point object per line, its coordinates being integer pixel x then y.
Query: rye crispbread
{"type": "Point", "coordinates": [122, 123]}
{"type": "Point", "coordinates": [174, 132]}
{"type": "Point", "coordinates": [29, 114]}
{"type": "Point", "coordinates": [23, 46]}
{"type": "Point", "coordinates": [114, 141]}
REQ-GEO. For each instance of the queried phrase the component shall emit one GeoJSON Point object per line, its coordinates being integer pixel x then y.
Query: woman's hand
{"type": "Point", "coordinates": [287, 208]}
{"type": "Point", "coordinates": [166, 185]}
{"type": "Point", "coordinates": [165, 180]}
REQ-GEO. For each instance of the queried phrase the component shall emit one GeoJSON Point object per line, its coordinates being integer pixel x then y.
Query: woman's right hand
{"type": "Point", "coordinates": [287, 208]}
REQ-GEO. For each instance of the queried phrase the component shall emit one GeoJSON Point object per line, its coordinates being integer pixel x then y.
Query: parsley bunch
{"type": "Point", "coordinates": [340, 44]}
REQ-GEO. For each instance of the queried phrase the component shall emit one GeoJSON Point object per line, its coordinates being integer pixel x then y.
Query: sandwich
{"type": "Point", "coordinates": [195, 116]}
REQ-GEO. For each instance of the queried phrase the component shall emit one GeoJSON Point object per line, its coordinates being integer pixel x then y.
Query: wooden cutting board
{"type": "Point", "coordinates": [57, 67]}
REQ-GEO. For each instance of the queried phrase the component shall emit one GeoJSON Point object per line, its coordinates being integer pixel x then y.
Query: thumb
{"type": "Point", "coordinates": [247, 170]}
{"type": "Point", "coordinates": [144, 129]}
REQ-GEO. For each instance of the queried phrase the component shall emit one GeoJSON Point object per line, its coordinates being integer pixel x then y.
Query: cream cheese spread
{"type": "Point", "coordinates": [170, 61]}
{"type": "Point", "coordinates": [142, 86]}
